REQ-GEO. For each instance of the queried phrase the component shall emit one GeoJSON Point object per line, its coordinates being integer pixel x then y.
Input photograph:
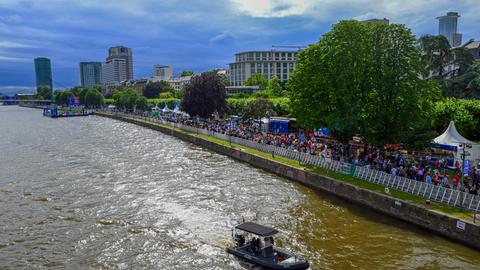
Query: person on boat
{"type": "Point", "coordinates": [240, 240]}
{"type": "Point", "coordinates": [253, 245]}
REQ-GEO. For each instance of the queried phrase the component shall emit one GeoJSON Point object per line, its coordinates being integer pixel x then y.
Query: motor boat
{"type": "Point", "coordinates": [254, 243]}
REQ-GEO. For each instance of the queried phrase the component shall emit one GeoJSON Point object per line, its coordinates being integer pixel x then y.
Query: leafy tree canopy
{"type": "Point", "coordinates": [259, 108]}
{"type": "Point", "coordinates": [204, 95]}
{"type": "Point", "coordinates": [61, 97]}
{"type": "Point", "coordinates": [186, 73]}
{"type": "Point", "coordinates": [129, 99]}
{"type": "Point", "coordinates": [363, 79]}
{"type": "Point", "coordinates": [241, 95]}
{"type": "Point", "coordinates": [256, 80]}
{"type": "Point", "coordinates": [93, 98]}
{"type": "Point", "coordinates": [44, 92]}
{"type": "Point", "coordinates": [274, 86]}
{"type": "Point", "coordinates": [152, 90]}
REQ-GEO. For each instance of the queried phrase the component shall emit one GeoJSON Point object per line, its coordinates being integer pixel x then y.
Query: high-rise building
{"type": "Point", "coordinates": [161, 72]}
{"type": "Point", "coordinates": [447, 27]}
{"type": "Point", "coordinates": [269, 63]}
{"type": "Point", "coordinates": [114, 70]}
{"type": "Point", "coordinates": [90, 73]}
{"type": "Point", "coordinates": [43, 71]}
{"type": "Point", "coordinates": [123, 53]}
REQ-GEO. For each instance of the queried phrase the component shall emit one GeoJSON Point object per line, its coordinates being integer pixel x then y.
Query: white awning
{"type": "Point", "coordinates": [451, 136]}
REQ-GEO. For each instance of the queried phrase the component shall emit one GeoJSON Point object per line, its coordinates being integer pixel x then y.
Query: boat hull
{"type": "Point", "coordinates": [300, 265]}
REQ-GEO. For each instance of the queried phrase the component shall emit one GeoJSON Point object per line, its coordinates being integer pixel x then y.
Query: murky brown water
{"type": "Point", "coordinates": [94, 193]}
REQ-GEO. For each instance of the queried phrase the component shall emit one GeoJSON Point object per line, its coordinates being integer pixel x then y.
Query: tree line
{"type": "Point", "coordinates": [90, 97]}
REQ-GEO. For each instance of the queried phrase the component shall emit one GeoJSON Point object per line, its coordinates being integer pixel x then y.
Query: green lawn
{"type": "Point", "coordinates": [438, 207]}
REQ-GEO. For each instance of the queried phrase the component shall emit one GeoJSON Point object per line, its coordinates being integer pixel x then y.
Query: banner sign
{"type": "Point", "coordinates": [444, 147]}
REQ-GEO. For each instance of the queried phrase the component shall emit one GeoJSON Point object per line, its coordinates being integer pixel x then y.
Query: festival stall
{"type": "Point", "coordinates": [451, 140]}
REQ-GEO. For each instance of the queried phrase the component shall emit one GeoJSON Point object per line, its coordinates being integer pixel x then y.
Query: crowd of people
{"type": "Point", "coordinates": [421, 167]}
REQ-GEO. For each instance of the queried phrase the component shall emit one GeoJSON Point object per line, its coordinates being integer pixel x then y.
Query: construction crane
{"type": "Point", "coordinates": [288, 46]}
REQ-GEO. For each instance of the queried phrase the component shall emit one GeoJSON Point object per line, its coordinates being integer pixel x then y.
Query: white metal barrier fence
{"type": "Point", "coordinates": [428, 191]}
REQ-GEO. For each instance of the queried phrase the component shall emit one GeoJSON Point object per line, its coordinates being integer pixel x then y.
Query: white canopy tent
{"type": "Point", "coordinates": [451, 137]}
{"type": "Point", "coordinates": [166, 109]}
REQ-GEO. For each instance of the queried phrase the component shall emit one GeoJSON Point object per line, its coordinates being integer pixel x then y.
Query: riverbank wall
{"type": "Point", "coordinates": [460, 231]}
{"type": "Point", "coordinates": [29, 105]}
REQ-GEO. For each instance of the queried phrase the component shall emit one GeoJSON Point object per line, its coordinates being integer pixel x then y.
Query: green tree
{"type": "Point", "coordinates": [82, 94]}
{"type": "Point", "coordinates": [76, 91]}
{"type": "Point", "coordinates": [462, 59]}
{"type": "Point", "coordinates": [256, 80]}
{"type": "Point", "coordinates": [141, 103]}
{"type": "Point", "coordinates": [166, 87]}
{"type": "Point", "coordinates": [44, 92]}
{"type": "Point", "coordinates": [167, 95]}
{"type": "Point", "coordinates": [274, 86]}
{"type": "Point", "coordinates": [241, 95]}
{"type": "Point", "coordinates": [465, 113]}
{"type": "Point", "coordinates": [204, 95]}
{"type": "Point", "coordinates": [329, 86]}
{"type": "Point", "coordinates": [152, 90]}
{"type": "Point", "coordinates": [93, 98]}
{"type": "Point", "coordinates": [61, 97]}
{"type": "Point", "coordinates": [259, 108]}
{"type": "Point", "coordinates": [400, 103]}
{"type": "Point", "coordinates": [186, 73]}
{"type": "Point", "coordinates": [362, 79]}
{"type": "Point", "coordinates": [437, 53]}
{"type": "Point", "coordinates": [126, 99]}
{"type": "Point", "coordinates": [465, 85]}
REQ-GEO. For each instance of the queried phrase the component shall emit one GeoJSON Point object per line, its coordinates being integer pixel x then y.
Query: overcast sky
{"type": "Point", "coordinates": [197, 35]}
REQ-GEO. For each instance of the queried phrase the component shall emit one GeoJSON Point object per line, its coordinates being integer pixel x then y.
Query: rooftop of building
{"type": "Point", "coordinates": [472, 44]}
{"type": "Point", "coordinates": [272, 50]}
{"type": "Point", "coordinates": [375, 20]}
{"type": "Point", "coordinates": [449, 15]}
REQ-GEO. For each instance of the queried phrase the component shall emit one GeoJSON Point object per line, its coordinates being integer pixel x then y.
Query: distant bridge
{"type": "Point", "coordinates": [25, 100]}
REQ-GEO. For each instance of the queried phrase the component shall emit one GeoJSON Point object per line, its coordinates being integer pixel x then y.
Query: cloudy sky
{"type": "Point", "coordinates": [187, 34]}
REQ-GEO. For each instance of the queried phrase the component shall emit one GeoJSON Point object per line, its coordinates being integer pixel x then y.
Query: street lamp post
{"type": "Point", "coordinates": [464, 153]}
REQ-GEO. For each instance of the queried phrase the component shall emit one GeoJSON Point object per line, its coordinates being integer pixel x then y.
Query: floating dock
{"type": "Point", "coordinates": [55, 112]}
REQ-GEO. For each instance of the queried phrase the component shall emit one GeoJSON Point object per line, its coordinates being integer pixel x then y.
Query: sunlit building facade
{"type": "Point", "coordinates": [269, 63]}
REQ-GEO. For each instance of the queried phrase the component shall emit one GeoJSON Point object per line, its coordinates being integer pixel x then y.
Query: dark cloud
{"type": "Point", "coordinates": [197, 35]}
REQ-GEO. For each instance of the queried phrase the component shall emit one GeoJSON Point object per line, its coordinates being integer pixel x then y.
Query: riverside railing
{"type": "Point", "coordinates": [431, 192]}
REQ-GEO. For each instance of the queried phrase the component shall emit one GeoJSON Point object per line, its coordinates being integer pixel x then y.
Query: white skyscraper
{"type": "Point", "coordinates": [447, 27]}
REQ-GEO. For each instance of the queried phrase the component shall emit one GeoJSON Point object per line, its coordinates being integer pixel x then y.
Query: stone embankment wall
{"type": "Point", "coordinates": [29, 105]}
{"type": "Point", "coordinates": [449, 227]}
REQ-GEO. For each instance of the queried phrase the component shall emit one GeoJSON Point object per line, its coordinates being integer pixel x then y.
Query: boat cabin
{"type": "Point", "coordinates": [258, 248]}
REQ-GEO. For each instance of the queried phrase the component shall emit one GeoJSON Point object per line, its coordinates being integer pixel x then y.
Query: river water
{"type": "Point", "coordinates": [95, 193]}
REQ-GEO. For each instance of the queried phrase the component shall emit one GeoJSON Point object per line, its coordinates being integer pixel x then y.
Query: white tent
{"type": "Point", "coordinates": [453, 138]}
{"type": "Point", "coordinates": [176, 109]}
{"type": "Point", "coordinates": [166, 109]}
